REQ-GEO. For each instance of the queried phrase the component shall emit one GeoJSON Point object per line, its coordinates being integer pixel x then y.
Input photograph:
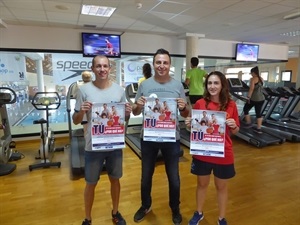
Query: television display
{"type": "Point", "coordinates": [246, 52]}
{"type": "Point", "coordinates": [101, 44]}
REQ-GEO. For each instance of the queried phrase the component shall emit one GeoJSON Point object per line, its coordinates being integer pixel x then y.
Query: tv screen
{"type": "Point", "coordinates": [246, 52]}
{"type": "Point", "coordinates": [101, 44]}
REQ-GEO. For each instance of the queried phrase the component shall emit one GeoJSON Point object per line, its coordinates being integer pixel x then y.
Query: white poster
{"type": "Point", "coordinates": [12, 67]}
{"type": "Point", "coordinates": [208, 133]}
{"type": "Point", "coordinates": [108, 126]}
{"type": "Point", "coordinates": [160, 116]}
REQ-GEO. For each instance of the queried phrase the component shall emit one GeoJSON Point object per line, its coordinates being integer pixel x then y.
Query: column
{"type": "Point", "coordinates": [40, 75]}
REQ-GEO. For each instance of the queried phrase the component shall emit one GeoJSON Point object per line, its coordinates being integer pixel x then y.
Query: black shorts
{"type": "Point", "coordinates": [201, 168]}
{"type": "Point", "coordinates": [195, 98]}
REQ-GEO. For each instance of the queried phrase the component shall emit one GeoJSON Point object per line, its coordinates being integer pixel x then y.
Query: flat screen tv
{"type": "Point", "coordinates": [246, 52]}
{"type": "Point", "coordinates": [101, 44]}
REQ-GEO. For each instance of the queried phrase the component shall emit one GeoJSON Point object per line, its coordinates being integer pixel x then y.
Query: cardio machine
{"type": "Point", "coordinates": [7, 96]}
{"type": "Point", "coordinates": [46, 101]}
{"type": "Point", "coordinates": [76, 136]}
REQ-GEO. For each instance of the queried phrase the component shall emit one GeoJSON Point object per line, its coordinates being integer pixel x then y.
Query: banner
{"type": "Point", "coordinates": [12, 67]}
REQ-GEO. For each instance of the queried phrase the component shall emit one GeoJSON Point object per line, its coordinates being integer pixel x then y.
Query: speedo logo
{"type": "Point", "coordinates": [75, 65]}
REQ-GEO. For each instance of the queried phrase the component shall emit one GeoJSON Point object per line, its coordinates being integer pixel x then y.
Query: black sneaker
{"type": "Point", "coordinates": [118, 219]}
{"type": "Point", "coordinates": [140, 214]}
{"type": "Point", "coordinates": [86, 222]}
{"type": "Point", "coordinates": [259, 131]}
{"type": "Point", "coordinates": [176, 217]}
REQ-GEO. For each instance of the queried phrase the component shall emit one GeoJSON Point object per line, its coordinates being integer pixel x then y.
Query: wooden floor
{"type": "Point", "coordinates": [265, 191]}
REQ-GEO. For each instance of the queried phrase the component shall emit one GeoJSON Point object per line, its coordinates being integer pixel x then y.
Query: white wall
{"type": "Point", "coordinates": [26, 37]}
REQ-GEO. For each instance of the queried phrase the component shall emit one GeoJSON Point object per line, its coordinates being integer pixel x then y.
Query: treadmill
{"type": "Point", "coordinates": [184, 133]}
{"type": "Point", "coordinates": [237, 88]}
{"type": "Point", "coordinates": [134, 125]}
{"type": "Point", "coordinates": [287, 130]}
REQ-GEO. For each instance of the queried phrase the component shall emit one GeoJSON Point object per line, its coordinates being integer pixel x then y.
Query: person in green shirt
{"type": "Point", "coordinates": [194, 80]}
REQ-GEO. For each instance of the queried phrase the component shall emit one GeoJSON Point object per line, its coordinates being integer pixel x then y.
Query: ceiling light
{"type": "Point", "coordinates": [291, 33]}
{"type": "Point", "coordinates": [94, 10]}
{"type": "Point", "coordinates": [292, 16]}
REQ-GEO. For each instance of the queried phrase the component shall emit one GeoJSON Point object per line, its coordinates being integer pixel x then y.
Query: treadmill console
{"type": "Point", "coordinates": [235, 82]}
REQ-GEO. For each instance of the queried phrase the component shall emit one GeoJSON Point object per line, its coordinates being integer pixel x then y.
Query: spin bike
{"type": "Point", "coordinates": [46, 101]}
{"type": "Point", "coordinates": [7, 96]}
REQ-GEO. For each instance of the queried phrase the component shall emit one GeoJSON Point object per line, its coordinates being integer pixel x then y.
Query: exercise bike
{"type": "Point", "coordinates": [7, 96]}
{"type": "Point", "coordinates": [46, 101]}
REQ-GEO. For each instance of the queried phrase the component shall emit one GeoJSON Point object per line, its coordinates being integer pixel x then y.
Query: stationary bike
{"type": "Point", "coordinates": [46, 101]}
{"type": "Point", "coordinates": [7, 96]}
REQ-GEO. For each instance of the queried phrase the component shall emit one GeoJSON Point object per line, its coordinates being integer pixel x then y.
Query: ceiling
{"type": "Point", "coordinates": [255, 21]}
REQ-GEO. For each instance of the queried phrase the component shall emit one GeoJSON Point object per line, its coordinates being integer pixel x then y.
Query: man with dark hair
{"type": "Point", "coordinates": [161, 85]}
{"type": "Point", "coordinates": [194, 79]}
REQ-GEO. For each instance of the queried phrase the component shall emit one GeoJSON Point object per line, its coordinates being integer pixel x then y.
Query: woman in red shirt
{"type": "Point", "coordinates": [216, 98]}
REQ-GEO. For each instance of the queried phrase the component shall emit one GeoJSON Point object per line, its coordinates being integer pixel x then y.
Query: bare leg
{"type": "Point", "coordinates": [89, 194]}
{"type": "Point", "coordinates": [248, 119]}
{"type": "Point", "coordinates": [222, 193]}
{"type": "Point", "coordinates": [259, 122]}
{"type": "Point", "coordinates": [202, 184]}
{"type": "Point", "coordinates": [115, 188]}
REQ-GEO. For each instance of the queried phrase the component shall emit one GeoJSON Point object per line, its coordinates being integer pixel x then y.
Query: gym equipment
{"type": "Point", "coordinates": [7, 96]}
{"type": "Point", "coordinates": [133, 130]}
{"type": "Point", "coordinates": [77, 141]}
{"type": "Point", "coordinates": [46, 101]}
{"type": "Point", "coordinates": [184, 132]}
{"type": "Point", "coordinates": [268, 137]}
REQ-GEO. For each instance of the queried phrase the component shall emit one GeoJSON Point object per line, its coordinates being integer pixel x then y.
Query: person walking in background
{"type": "Point", "coordinates": [147, 72]}
{"type": "Point", "coordinates": [101, 90]}
{"type": "Point", "coordinates": [86, 76]}
{"type": "Point", "coordinates": [216, 98]}
{"type": "Point", "coordinates": [194, 80]}
{"type": "Point", "coordinates": [161, 85]}
{"type": "Point", "coordinates": [256, 98]}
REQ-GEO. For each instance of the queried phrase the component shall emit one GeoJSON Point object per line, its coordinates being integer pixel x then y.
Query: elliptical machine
{"type": "Point", "coordinates": [7, 96]}
{"type": "Point", "coordinates": [46, 101]}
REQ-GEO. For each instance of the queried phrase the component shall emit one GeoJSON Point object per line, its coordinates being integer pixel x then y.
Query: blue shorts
{"type": "Point", "coordinates": [94, 162]}
{"type": "Point", "coordinates": [201, 168]}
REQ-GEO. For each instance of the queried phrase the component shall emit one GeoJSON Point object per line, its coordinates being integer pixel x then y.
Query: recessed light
{"type": "Point", "coordinates": [94, 10]}
{"type": "Point", "coordinates": [291, 33]}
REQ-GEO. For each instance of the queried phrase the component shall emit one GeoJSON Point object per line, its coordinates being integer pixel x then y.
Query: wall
{"type": "Point", "coordinates": [292, 64]}
{"type": "Point", "coordinates": [27, 37]}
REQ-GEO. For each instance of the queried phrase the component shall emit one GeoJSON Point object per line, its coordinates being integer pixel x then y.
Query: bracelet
{"type": "Point", "coordinates": [181, 110]}
{"type": "Point", "coordinates": [234, 128]}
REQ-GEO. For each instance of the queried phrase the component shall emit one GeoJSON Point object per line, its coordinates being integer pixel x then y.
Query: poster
{"type": "Point", "coordinates": [208, 133]}
{"type": "Point", "coordinates": [160, 115]}
{"type": "Point", "coordinates": [108, 126]}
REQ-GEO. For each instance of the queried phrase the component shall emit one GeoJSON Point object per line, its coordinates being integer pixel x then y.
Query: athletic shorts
{"type": "Point", "coordinates": [201, 168]}
{"type": "Point", "coordinates": [94, 162]}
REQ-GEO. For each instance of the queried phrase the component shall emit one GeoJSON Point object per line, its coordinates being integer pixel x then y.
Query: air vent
{"type": "Point", "coordinates": [89, 26]}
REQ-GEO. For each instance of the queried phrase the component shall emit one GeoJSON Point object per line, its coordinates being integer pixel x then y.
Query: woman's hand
{"type": "Point", "coordinates": [187, 121]}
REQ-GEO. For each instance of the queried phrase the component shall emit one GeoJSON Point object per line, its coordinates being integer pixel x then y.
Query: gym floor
{"type": "Point", "coordinates": [264, 191]}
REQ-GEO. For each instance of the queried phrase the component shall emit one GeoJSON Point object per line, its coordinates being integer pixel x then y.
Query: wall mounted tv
{"type": "Point", "coordinates": [101, 44]}
{"type": "Point", "coordinates": [246, 52]}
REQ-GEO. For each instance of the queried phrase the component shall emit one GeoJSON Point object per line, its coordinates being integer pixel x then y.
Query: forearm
{"type": "Point", "coordinates": [234, 130]}
{"type": "Point", "coordinates": [78, 116]}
